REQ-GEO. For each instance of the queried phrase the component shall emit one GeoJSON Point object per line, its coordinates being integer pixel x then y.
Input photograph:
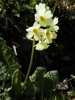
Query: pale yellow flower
{"type": "Point", "coordinates": [34, 32]}
{"type": "Point", "coordinates": [44, 17]}
{"type": "Point", "coordinates": [49, 36]}
{"type": "Point", "coordinates": [54, 26]}
{"type": "Point", "coordinates": [41, 45]}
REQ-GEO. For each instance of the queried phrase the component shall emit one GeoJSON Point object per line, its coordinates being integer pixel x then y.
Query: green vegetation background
{"type": "Point", "coordinates": [15, 17]}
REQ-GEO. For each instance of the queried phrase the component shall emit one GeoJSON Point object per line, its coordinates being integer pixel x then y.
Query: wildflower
{"type": "Point", "coordinates": [34, 32]}
{"type": "Point", "coordinates": [41, 45]}
{"type": "Point", "coordinates": [44, 17]}
{"type": "Point", "coordinates": [49, 35]}
{"type": "Point", "coordinates": [54, 26]}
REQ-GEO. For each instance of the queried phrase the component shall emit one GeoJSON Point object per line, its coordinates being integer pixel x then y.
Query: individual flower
{"type": "Point", "coordinates": [44, 17]}
{"type": "Point", "coordinates": [49, 36]}
{"type": "Point", "coordinates": [41, 45]}
{"type": "Point", "coordinates": [54, 26]}
{"type": "Point", "coordinates": [34, 32]}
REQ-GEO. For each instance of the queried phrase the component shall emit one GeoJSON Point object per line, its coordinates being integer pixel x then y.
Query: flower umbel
{"type": "Point", "coordinates": [44, 28]}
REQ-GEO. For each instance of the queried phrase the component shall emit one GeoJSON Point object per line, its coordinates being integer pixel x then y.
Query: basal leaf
{"type": "Point", "coordinates": [40, 71]}
{"type": "Point", "coordinates": [51, 79]}
{"type": "Point", "coordinates": [16, 82]}
{"type": "Point", "coordinates": [34, 84]}
{"type": "Point", "coordinates": [41, 80]}
{"type": "Point", "coordinates": [7, 56]}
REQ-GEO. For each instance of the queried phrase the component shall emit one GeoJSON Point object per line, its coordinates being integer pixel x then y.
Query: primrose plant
{"type": "Point", "coordinates": [43, 31]}
{"type": "Point", "coordinates": [44, 28]}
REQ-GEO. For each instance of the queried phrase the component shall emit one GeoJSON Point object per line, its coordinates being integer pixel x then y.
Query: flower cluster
{"type": "Point", "coordinates": [44, 28]}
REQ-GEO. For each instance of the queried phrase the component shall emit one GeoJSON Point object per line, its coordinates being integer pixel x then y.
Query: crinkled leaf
{"type": "Point", "coordinates": [35, 81]}
{"type": "Point", "coordinates": [7, 56]}
{"type": "Point", "coordinates": [3, 71]}
{"type": "Point", "coordinates": [51, 79]}
{"type": "Point", "coordinates": [39, 80]}
{"type": "Point", "coordinates": [40, 71]}
{"type": "Point", "coordinates": [16, 82]}
{"type": "Point", "coordinates": [31, 88]}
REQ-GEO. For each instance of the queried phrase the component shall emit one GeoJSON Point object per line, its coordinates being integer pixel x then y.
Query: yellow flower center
{"type": "Point", "coordinates": [47, 33]}
{"type": "Point", "coordinates": [34, 30]}
{"type": "Point", "coordinates": [42, 18]}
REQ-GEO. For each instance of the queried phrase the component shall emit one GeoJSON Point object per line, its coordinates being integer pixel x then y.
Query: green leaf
{"type": "Point", "coordinates": [34, 84]}
{"type": "Point", "coordinates": [40, 71]}
{"type": "Point", "coordinates": [3, 75]}
{"type": "Point", "coordinates": [7, 56]}
{"type": "Point", "coordinates": [51, 79]}
{"type": "Point", "coordinates": [3, 71]}
{"type": "Point", "coordinates": [16, 82]}
{"type": "Point", "coordinates": [39, 81]}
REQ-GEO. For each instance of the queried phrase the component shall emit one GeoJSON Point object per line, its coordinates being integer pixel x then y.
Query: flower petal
{"type": "Point", "coordinates": [29, 35]}
{"type": "Point", "coordinates": [48, 14]}
{"type": "Point", "coordinates": [55, 21]}
{"type": "Point", "coordinates": [41, 46]}
{"type": "Point", "coordinates": [40, 6]}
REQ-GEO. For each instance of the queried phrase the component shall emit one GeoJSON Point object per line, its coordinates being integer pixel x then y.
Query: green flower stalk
{"type": "Point", "coordinates": [30, 65]}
